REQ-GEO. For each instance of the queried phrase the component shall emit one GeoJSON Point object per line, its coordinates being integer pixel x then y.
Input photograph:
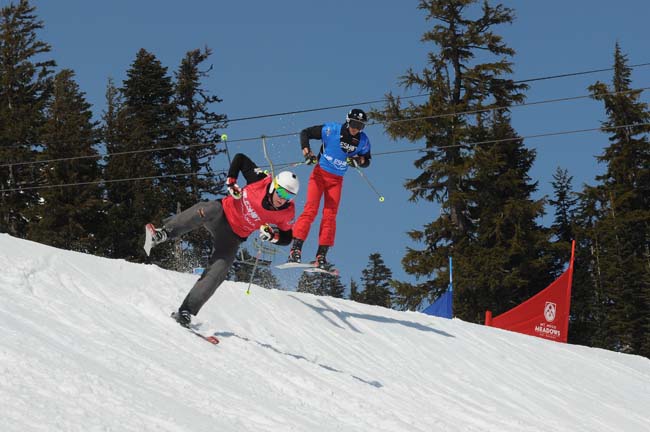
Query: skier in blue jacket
{"type": "Point", "coordinates": [342, 145]}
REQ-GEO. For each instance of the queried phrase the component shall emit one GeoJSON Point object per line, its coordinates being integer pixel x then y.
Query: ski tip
{"type": "Point", "coordinates": [212, 339]}
{"type": "Point", "coordinates": [291, 264]}
{"type": "Point", "coordinates": [147, 239]}
{"type": "Point", "coordinates": [313, 269]}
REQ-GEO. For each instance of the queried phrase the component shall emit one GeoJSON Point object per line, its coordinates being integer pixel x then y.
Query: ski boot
{"type": "Point", "coordinates": [295, 254]}
{"type": "Point", "coordinates": [183, 317]}
{"type": "Point", "coordinates": [321, 257]}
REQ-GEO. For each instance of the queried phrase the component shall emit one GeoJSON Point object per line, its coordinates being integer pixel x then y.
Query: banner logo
{"type": "Point", "coordinates": [549, 311]}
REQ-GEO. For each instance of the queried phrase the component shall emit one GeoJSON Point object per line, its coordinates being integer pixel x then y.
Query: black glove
{"type": "Point", "coordinates": [310, 159]}
{"type": "Point", "coordinates": [269, 234]}
{"type": "Point", "coordinates": [233, 188]}
{"type": "Point", "coordinates": [353, 161]}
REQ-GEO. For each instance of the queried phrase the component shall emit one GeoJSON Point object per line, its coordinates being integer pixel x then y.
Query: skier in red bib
{"type": "Point", "coordinates": [265, 204]}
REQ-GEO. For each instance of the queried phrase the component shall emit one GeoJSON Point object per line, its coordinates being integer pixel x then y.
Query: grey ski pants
{"type": "Point", "coordinates": [208, 214]}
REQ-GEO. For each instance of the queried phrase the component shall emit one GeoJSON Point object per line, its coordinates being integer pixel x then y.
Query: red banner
{"type": "Point", "coordinates": [544, 315]}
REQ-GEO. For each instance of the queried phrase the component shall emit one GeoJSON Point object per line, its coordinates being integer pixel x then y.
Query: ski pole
{"type": "Point", "coordinates": [224, 139]}
{"type": "Point", "coordinates": [268, 159]}
{"type": "Point", "coordinates": [363, 176]}
{"type": "Point", "coordinates": [257, 258]}
{"type": "Point", "coordinates": [295, 164]}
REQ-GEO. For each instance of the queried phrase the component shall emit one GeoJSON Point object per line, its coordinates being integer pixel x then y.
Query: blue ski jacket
{"type": "Point", "coordinates": [332, 157]}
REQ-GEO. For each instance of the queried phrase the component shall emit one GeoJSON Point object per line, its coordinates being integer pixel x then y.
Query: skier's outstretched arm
{"type": "Point", "coordinates": [310, 133]}
{"type": "Point", "coordinates": [243, 164]}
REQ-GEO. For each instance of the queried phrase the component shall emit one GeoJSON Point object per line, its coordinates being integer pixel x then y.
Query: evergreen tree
{"type": "Point", "coordinates": [336, 289]}
{"type": "Point", "coordinates": [200, 126]}
{"type": "Point", "coordinates": [376, 278]}
{"type": "Point", "coordinates": [574, 220]}
{"type": "Point", "coordinates": [242, 270]}
{"type": "Point", "coordinates": [588, 318]}
{"type": "Point", "coordinates": [565, 202]}
{"type": "Point", "coordinates": [322, 284]}
{"type": "Point", "coordinates": [354, 290]}
{"type": "Point", "coordinates": [146, 120]}
{"type": "Point", "coordinates": [199, 138]}
{"type": "Point", "coordinates": [508, 259]}
{"type": "Point", "coordinates": [25, 86]}
{"type": "Point", "coordinates": [623, 204]}
{"type": "Point", "coordinates": [69, 216]}
{"type": "Point", "coordinates": [112, 137]}
{"type": "Point", "coordinates": [409, 297]}
{"type": "Point", "coordinates": [457, 83]}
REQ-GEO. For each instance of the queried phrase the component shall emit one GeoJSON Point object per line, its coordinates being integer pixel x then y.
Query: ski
{"type": "Point", "coordinates": [211, 339]}
{"type": "Point", "coordinates": [314, 269]}
{"type": "Point", "coordinates": [289, 265]}
{"type": "Point", "coordinates": [308, 267]}
{"type": "Point", "coordinates": [148, 238]}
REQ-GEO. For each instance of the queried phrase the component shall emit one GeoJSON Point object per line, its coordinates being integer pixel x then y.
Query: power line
{"type": "Point", "coordinates": [503, 140]}
{"type": "Point", "coordinates": [543, 78]}
{"type": "Point", "coordinates": [498, 108]}
{"type": "Point", "coordinates": [98, 156]}
{"type": "Point", "coordinates": [103, 181]}
{"type": "Point", "coordinates": [286, 164]}
{"type": "Point", "coordinates": [431, 117]}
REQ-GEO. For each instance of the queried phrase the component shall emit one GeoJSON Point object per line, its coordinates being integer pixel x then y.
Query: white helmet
{"type": "Point", "coordinates": [286, 180]}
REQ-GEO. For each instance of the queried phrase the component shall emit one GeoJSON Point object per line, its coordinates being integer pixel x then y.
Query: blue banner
{"type": "Point", "coordinates": [443, 306]}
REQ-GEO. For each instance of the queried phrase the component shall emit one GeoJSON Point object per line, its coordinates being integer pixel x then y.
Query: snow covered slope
{"type": "Point", "coordinates": [87, 345]}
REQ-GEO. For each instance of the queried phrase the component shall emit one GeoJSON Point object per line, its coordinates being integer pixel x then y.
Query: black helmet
{"type": "Point", "coordinates": [357, 118]}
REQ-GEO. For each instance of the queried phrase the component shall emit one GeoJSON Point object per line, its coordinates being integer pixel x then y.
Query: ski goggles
{"type": "Point", "coordinates": [356, 124]}
{"type": "Point", "coordinates": [283, 193]}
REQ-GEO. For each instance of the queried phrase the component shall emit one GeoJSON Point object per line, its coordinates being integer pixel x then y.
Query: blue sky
{"type": "Point", "coordinates": [272, 57]}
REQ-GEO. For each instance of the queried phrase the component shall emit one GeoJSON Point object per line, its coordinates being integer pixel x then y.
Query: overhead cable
{"type": "Point", "coordinates": [419, 149]}
{"type": "Point", "coordinates": [431, 117]}
{"type": "Point", "coordinates": [543, 78]}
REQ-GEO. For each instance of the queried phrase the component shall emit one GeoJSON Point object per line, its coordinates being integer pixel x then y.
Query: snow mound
{"type": "Point", "coordinates": [87, 345]}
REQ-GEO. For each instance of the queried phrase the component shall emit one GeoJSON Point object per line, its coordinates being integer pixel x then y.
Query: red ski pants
{"type": "Point", "coordinates": [321, 183]}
